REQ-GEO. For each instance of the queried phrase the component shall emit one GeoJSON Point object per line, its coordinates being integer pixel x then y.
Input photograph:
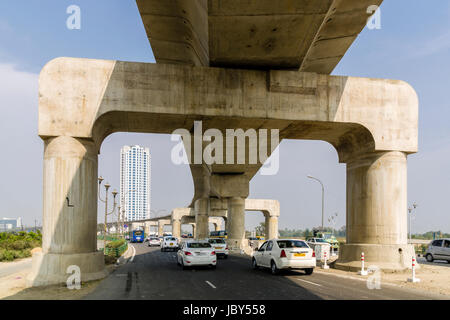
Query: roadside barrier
{"type": "Point", "coordinates": [362, 272]}
{"type": "Point", "coordinates": [325, 266]}
{"type": "Point", "coordinates": [413, 278]}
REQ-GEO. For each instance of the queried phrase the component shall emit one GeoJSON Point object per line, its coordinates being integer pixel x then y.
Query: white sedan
{"type": "Point", "coordinates": [278, 254]}
{"type": "Point", "coordinates": [220, 246]}
{"type": "Point", "coordinates": [169, 243]}
{"type": "Point", "coordinates": [196, 253]}
{"type": "Point", "coordinates": [154, 241]}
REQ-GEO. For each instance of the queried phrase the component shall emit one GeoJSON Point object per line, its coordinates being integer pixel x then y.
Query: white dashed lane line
{"type": "Point", "coordinates": [134, 253]}
{"type": "Point", "coordinates": [316, 284]}
{"type": "Point", "coordinates": [212, 286]}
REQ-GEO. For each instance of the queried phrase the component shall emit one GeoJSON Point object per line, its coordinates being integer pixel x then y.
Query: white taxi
{"type": "Point", "coordinates": [196, 253]}
{"type": "Point", "coordinates": [278, 254]}
{"type": "Point", "coordinates": [220, 246]}
{"type": "Point", "coordinates": [169, 243]}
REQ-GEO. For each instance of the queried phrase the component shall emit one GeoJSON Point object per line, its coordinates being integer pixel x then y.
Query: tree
{"type": "Point", "coordinates": [261, 229]}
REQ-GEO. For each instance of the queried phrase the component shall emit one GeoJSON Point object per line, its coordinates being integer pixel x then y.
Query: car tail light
{"type": "Point", "coordinates": [314, 254]}
{"type": "Point", "coordinates": [283, 254]}
{"type": "Point", "coordinates": [226, 248]}
{"type": "Point", "coordinates": [213, 253]}
{"type": "Point", "coordinates": [188, 253]}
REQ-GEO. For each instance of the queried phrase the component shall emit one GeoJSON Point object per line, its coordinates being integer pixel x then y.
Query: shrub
{"type": "Point", "coordinates": [115, 244]}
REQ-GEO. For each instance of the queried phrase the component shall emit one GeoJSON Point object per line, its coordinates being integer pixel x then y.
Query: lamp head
{"type": "Point", "coordinates": [114, 193]}
{"type": "Point", "coordinates": [100, 180]}
{"type": "Point", "coordinates": [107, 186]}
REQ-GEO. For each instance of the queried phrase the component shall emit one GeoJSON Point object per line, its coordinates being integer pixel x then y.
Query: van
{"type": "Point", "coordinates": [438, 250]}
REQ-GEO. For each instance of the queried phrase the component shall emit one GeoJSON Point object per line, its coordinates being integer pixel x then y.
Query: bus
{"type": "Point", "coordinates": [218, 234]}
{"type": "Point", "coordinates": [137, 236]}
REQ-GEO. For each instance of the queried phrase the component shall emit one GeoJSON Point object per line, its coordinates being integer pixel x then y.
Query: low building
{"type": "Point", "coordinates": [10, 224]}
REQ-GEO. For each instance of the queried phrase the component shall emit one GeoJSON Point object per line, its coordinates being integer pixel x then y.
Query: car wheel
{"type": "Point", "coordinates": [225, 256]}
{"type": "Point", "coordinates": [309, 271]}
{"type": "Point", "coordinates": [213, 266]}
{"type": "Point", "coordinates": [273, 268]}
{"type": "Point", "coordinates": [182, 264]}
{"type": "Point", "coordinates": [254, 264]}
{"type": "Point", "coordinates": [162, 249]}
{"type": "Point", "coordinates": [429, 257]}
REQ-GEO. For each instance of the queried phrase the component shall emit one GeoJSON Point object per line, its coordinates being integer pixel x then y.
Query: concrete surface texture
{"type": "Point", "coordinates": [303, 35]}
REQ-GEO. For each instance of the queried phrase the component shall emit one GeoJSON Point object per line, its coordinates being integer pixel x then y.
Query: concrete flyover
{"type": "Point", "coordinates": [372, 123]}
{"type": "Point", "coordinates": [219, 211]}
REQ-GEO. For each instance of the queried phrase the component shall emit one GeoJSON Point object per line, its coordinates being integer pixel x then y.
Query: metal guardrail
{"type": "Point", "coordinates": [108, 238]}
{"type": "Point", "coordinates": [114, 252]}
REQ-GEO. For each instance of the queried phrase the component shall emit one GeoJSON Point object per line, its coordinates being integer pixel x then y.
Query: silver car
{"type": "Point", "coordinates": [438, 250]}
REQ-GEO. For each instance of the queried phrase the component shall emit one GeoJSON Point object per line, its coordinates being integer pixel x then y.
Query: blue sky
{"type": "Point", "coordinates": [413, 45]}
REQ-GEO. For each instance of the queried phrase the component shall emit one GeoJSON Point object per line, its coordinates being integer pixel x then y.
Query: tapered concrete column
{"type": "Point", "coordinates": [377, 212]}
{"type": "Point", "coordinates": [176, 228]}
{"type": "Point", "coordinates": [236, 223]}
{"type": "Point", "coordinates": [160, 228]}
{"type": "Point", "coordinates": [271, 223]}
{"type": "Point", "coordinates": [194, 234]}
{"type": "Point", "coordinates": [202, 218]}
{"type": "Point", "coordinates": [69, 234]}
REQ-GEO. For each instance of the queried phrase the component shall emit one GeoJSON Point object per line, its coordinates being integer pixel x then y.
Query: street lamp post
{"type": "Point", "coordinates": [123, 206]}
{"type": "Point", "coordinates": [323, 195]}
{"type": "Point", "coordinates": [114, 193]}
{"type": "Point", "coordinates": [410, 210]}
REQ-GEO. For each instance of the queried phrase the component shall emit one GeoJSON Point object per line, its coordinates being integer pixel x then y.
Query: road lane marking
{"type": "Point", "coordinates": [212, 286]}
{"type": "Point", "coordinates": [134, 253]}
{"type": "Point", "coordinates": [316, 284]}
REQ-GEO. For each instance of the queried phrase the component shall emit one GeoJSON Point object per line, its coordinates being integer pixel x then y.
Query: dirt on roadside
{"type": "Point", "coordinates": [433, 278]}
{"type": "Point", "coordinates": [13, 287]}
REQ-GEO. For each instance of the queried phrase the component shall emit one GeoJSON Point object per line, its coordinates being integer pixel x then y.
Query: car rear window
{"type": "Point", "coordinates": [198, 245]}
{"type": "Point", "coordinates": [216, 241]}
{"type": "Point", "coordinates": [171, 239]}
{"type": "Point", "coordinates": [291, 244]}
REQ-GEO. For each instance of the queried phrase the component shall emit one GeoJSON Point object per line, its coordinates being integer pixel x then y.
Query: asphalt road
{"type": "Point", "coordinates": [155, 275]}
{"type": "Point", "coordinates": [441, 263]}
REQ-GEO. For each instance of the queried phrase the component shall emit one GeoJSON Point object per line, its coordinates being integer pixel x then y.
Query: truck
{"type": "Point", "coordinates": [328, 237]}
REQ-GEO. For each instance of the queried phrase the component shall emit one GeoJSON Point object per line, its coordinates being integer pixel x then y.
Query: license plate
{"type": "Point", "coordinates": [171, 244]}
{"type": "Point", "coordinates": [218, 248]}
{"type": "Point", "coordinates": [299, 254]}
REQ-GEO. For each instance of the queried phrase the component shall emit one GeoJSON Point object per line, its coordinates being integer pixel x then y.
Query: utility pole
{"type": "Point", "coordinates": [410, 209]}
{"type": "Point", "coordinates": [323, 197]}
{"type": "Point", "coordinates": [114, 193]}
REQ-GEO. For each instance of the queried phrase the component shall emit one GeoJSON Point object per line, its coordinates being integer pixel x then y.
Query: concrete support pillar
{"type": "Point", "coordinates": [377, 212]}
{"type": "Point", "coordinates": [176, 228]}
{"type": "Point", "coordinates": [236, 223]}
{"type": "Point", "coordinates": [271, 223]}
{"type": "Point", "coordinates": [194, 234]}
{"type": "Point", "coordinates": [69, 213]}
{"type": "Point", "coordinates": [202, 207]}
{"type": "Point", "coordinates": [160, 228]}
